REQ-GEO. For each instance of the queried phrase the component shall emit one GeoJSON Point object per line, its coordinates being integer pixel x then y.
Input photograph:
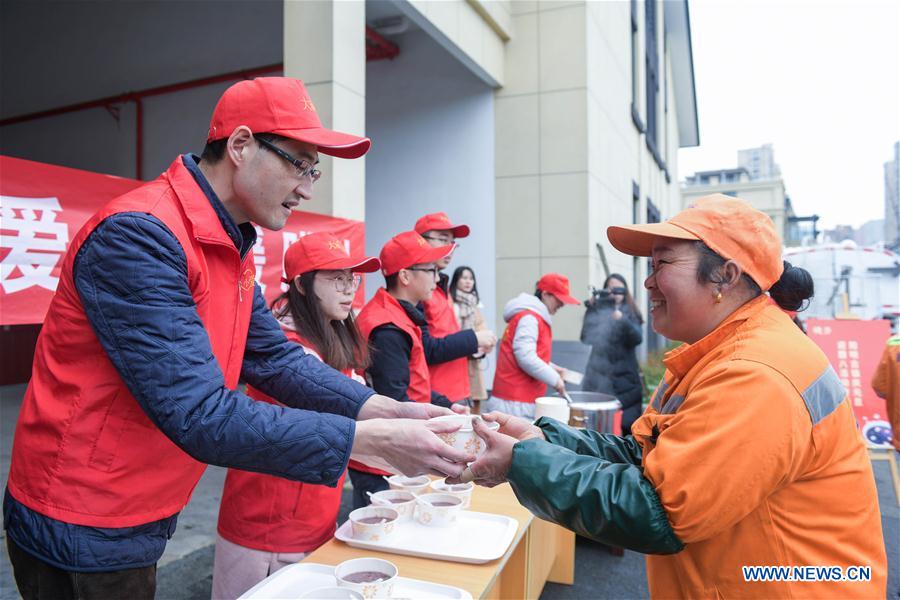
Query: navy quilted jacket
{"type": "Point", "coordinates": [132, 279]}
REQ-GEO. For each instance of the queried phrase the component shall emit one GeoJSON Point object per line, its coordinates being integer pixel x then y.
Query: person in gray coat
{"type": "Point", "coordinates": [613, 328]}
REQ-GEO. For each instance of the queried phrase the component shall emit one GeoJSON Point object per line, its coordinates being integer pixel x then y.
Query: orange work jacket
{"type": "Point", "coordinates": [886, 383]}
{"type": "Point", "coordinates": [751, 445]}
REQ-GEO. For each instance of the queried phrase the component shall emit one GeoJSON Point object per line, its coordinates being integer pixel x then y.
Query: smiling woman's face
{"type": "Point", "coordinates": [680, 306]}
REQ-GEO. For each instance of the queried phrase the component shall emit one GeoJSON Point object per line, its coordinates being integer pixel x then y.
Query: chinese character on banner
{"type": "Point", "coordinates": [32, 243]}
{"type": "Point", "coordinates": [854, 348]}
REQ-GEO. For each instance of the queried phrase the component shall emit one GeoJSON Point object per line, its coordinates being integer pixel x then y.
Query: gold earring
{"type": "Point", "coordinates": [718, 297]}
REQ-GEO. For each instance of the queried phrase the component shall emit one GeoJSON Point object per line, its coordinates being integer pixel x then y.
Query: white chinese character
{"type": "Point", "coordinates": [36, 241]}
{"type": "Point", "coordinates": [853, 345]}
{"type": "Point", "coordinates": [817, 330]}
{"type": "Point", "coordinates": [842, 355]}
{"type": "Point", "coordinates": [826, 330]}
{"type": "Point", "coordinates": [854, 354]}
{"type": "Point", "coordinates": [855, 373]}
{"type": "Point", "coordinates": [842, 345]}
{"type": "Point", "coordinates": [259, 258]}
{"type": "Point", "coordinates": [854, 383]}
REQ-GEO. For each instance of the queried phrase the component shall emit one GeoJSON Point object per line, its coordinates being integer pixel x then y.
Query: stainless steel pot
{"type": "Point", "coordinates": [593, 410]}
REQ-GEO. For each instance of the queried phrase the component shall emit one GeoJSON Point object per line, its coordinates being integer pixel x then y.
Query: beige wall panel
{"type": "Point", "coordinates": [518, 217]}
{"type": "Point", "coordinates": [562, 48]}
{"type": "Point", "coordinates": [514, 275]}
{"type": "Point", "coordinates": [563, 131]}
{"type": "Point", "coordinates": [472, 32]}
{"type": "Point", "coordinates": [564, 206]}
{"type": "Point", "coordinates": [521, 58]}
{"type": "Point", "coordinates": [517, 136]}
{"type": "Point", "coordinates": [520, 7]}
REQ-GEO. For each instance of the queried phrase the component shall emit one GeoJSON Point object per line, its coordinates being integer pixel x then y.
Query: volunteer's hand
{"type": "Point", "coordinates": [382, 407]}
{"type": "Point", "coordinates": [517, 427]}
{"type": "Point", "coordinates": [408, 446]}
{"type": "Point", "coordinates": [492, 467]}
{"type": "Point", "coordinates": [560, 386]}
{"type": "Point", "coordinates": [460, 408]}
{"type": "Point", "coordinates": [617, 314]}
{"type": "Point", "coordinates": [486, 340]}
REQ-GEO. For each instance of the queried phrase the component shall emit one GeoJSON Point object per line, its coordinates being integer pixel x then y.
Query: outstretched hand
{"type": "Point", "coordinates": [517, 427]}
{"type": "Point", "coordinates": [491, 468]}
{"type": "Point", "coordinates": [408, 446]}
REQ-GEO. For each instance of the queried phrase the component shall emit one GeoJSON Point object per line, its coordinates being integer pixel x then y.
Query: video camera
{"type": "Point", "coordinates": [603, 297]}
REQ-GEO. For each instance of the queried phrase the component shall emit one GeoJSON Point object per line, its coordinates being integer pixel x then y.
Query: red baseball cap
{"type": "Point", "coordinates": [323, 251]}
{"type": "Point", "coordinates": [439, 221]}
{"type": "Point", "coordinates": [729, 226]}
{"type": "Point", "coordinates": [280, 105]}
{"type": "Point", "coordinates": [558, 285]}
{"type": "Point", "coordinates": [407, 249]}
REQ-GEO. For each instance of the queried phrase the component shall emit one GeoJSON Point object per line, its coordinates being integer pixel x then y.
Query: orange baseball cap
{"type": "Point", "coordinates": [558, 285]}
{"type": "Point", "coordinates": [729, 226]}
{"type": "Point", "coordinates": [280, 105]}
{"type": "Point", "coordinates": [439, 221]}
{"type": "Point", "coordinates": [323, 251]}
{"type": "Point", "coordinates": [407, 249]}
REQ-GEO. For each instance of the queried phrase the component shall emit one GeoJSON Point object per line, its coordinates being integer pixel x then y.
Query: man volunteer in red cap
{"type": "Point", "coordinates": [450, 378]}
{"type": "Point", "coordinates": [524, 369]}
{"type": "Point", "coordinates": [156, 318]}
{"type": "Point", "coordinates": [392, 324]}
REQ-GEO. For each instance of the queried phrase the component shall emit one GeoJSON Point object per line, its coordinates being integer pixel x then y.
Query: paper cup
{"type": "Point", "coordinates": [553, 407]}
{"type": "Point", "coordinates": [344, 573]}
{"type": "Point", "coordinates": [465, 438]}
{"type": "Point", "coordinates": [400, 500]}
{"type": "Point", "coordinates": [439, 516]}
{"type": "Point", "coordinates": [373, 532]}
{"type": "Point", "coordinates": [463, 491]}
{"type": "Point", "coordinates": [416, 485]}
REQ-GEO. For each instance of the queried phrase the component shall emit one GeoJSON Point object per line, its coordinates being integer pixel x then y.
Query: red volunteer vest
{"type": "Point", "coordinates": [380, 310]}
{"type": "Point", "coordinates": [452, 377]}
{"type": "Point", "coordinates": [510, 381]}
{"type": "Point", "coordinates": [85, 452]}
{"type": "Point", "coordinates": [274, 514]}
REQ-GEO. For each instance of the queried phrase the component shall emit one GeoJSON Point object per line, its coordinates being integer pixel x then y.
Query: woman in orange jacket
{"type": "Point", "coordinates": [746, 475]}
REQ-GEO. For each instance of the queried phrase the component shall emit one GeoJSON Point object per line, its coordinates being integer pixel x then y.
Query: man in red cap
{"type": "Point", "coordinates": [450, 378]}
{"type": "Point", "coordinates": [156, 318]}
{"type": "Point", "coordinates": [393, 323]}
{"type": "Point", "coordinates": [524, 369]}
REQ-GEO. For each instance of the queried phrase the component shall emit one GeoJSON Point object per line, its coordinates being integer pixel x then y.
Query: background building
{"type": "Point", "coordinates": [757, 180]}
{"type": "Point", "coordinates": [538, 123]}
{"type": "Point", "coordinates": [892, 200]}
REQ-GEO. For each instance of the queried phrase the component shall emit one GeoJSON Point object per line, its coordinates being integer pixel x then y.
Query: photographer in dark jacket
{"type": "Point", "coordinates": [612, 326]}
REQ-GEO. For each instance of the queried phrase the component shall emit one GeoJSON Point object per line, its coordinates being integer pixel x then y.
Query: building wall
{"type": "Point", "coordinates": [892, 199]}
{"type": "Point", "coordinates": [567, 151]}
{"type": "Point", "coordinates": [431, 121]}
{"type": "Point", "coordinates": [767, 196]}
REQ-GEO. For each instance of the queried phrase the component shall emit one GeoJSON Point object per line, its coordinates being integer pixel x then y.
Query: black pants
{"type": "Point", "coordinates": [39, 581]}
{"type": "Point", "coordinates": [365, 482]}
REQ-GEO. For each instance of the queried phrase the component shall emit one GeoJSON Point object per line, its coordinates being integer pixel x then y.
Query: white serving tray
{"type": "Point", "coordinates": [475, 538]}
{"type": "Point", "coordinates": [291, 581]}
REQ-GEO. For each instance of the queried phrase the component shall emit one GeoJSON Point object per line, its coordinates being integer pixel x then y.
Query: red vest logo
{"type": "Point", "coordinates": [247, 279]}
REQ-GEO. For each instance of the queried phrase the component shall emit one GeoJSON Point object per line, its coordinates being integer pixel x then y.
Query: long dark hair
{"type": "Point", "coordinates": [455, 279]}
{"type": "Point", "coordinates": [339, 343]}
{"type": "Point", "coordinates": [629, 300]}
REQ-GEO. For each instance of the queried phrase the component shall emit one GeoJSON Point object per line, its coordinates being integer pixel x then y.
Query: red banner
{"type": "Point", "coordinates": [854, 349]}
{"type": "Point", "coordinates": [43, 206]}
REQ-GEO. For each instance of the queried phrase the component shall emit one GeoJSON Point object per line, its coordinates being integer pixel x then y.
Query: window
{"type": "Point", "coordinates": [635, 63]}
{"type": "Point", "coordinates": [652, 74]}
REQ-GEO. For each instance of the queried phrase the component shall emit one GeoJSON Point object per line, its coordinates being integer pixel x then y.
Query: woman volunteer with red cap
{"type": "Point", "coordinates": [267, 522]}
{"type": "Point", "coordinates": [748, 455]}
{"type": "Point", "coordinates": [524, 369]}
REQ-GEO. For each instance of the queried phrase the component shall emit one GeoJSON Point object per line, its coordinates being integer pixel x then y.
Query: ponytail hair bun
{"type": "Point", "coordinates": [793, 289]}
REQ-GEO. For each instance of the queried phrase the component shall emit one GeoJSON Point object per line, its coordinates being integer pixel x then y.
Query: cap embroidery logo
{"type": "Point", "coordinates": [247, 278]}
{"type": "Point", "coordinates": [334, 245]}
{"type": "Point", "coordinates": [308, 104]}
{"type": "Point", "coordinates": [421, 241]}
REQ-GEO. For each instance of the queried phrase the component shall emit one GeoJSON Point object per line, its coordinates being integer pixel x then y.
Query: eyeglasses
{"type": "Point", "coordinates": [443, 241]}
{"type": "Point", "coordinates": [435, 272]}
{"type": "Point", "coordinates": [302, 168]}
{"type": "Point", "coordinates": [345, 284]}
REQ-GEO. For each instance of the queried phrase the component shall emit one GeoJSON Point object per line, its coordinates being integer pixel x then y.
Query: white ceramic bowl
{"type": "Point", "coordinates": [400, 500]}
{"type": "Point", "coordinates": [371, 589]}
{"type": "Point", "coordinates": [416, 485]}
{"type": "Point", "coordinates": [429, 513]}
{"type": "Point", "coordinates": [463, 491]}
{"type": "Point", "coordinates": [373, 532]}
{"type": "Point", "coordinates": [465, 438]}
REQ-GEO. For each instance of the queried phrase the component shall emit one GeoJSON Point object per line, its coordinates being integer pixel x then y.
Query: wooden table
{"type": "Point", "coordinates": [539, 552]}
